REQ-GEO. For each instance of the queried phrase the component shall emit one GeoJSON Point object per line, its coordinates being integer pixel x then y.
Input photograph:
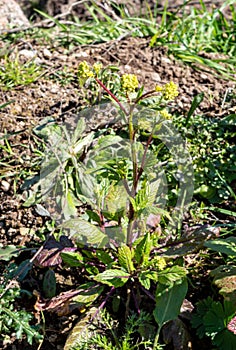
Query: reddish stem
{"type": "Point", "coordinates": [112, 95]}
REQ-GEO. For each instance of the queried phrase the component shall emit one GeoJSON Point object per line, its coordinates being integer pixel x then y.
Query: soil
{"type": "Point", "coordinates": [48, 97]}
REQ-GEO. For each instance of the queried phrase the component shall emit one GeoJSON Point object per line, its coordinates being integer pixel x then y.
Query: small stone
{"type": "Point", "coordinates": [46, 53]}
{"type": "Point", "coordinates": [156, 77]}
{"type": "Point", "coordinates": [5, 186]}
{"type": "Point", "coordinates": [29, 54]}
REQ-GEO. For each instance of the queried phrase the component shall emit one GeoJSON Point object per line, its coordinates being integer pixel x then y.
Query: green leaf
{"type": "Point", "coordinates": [225, 340]}
{"type": "Point", "coordinates": [82, 329]}
{"type": "Point", "coordinates": [89, 292]}
{"type": "Point", "coordinates": [9, 251]}
{"type": "Point", "coordinates": [116, 199]}
{"type": "Point", "coordinates": [195, 104]}
{"type": "Point", "coordinates": [145, 278]}
{"type": "Point", "coordinates": [143, 249]}
{"type": "Point", "coordinates": [225, 280]}
{"type": "Point", "coordinates": [202, 307]}
{"type": "Point", "coordinates": [104, 257]}
{"type": "Point", "coordinates": [225, 246]}
{"type": "Point", "coordinates": [169, 301]}
{"type": "Point", "coordinates": [72, 258]}
{"type": "Point", "coordinates": [125, 258]}
{"type": "Point", "coordinates": [78, 147]}
{"type": "Point", "coordinates": [214, 319]}
{"type": "Point", "coordinates": [49, 284]}
{"type": "Point", "coordinates": [171, 275]}
{"type": "Point", "coordinates": [112, 277]}
{"type": "Point", "coordinates": [85, 233]}
{"type": "Point", "coordinates": [78, 132]}
{"type": "Point", "coordinates": [69, 205]}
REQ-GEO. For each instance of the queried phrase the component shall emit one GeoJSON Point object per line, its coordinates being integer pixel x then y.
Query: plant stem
{"type": "Point", "coordinates": [112, 95]}
{"type": "Point", "coordinates": [155, 344]}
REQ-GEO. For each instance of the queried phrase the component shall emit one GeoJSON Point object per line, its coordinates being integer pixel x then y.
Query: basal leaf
{"type": "Point", "coordinates": [225, 280]}
{"type": "Point", "coordinates": [79, 130]}
{"type": "Point", "coordinates": [112, 277]}
{"type": "Point", "coordinates": [125, 256]}
{"type": "Point", "coordinates": [82, 329]}
{"type": "Point", "coordinates": [85, 233]}
{"type": "Point", "coordinates": [169, 301]}
{"type": "Point", "coordinates": [9, 251]}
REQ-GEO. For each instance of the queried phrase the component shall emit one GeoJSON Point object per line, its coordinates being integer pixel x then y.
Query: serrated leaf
{"type": "Point", "coordinates": [214, 319]}
{"type": "Point", "coordinates": [144, 280]}
{"type": "Point", "coordinates": [203, 307]}
{"type": "Point", "coordinates": [169, 301]}
{"type": "Point", "coordinates": [116, 199]}
{"type": "Point", "coordinates": [104, 257]}
{"type": "Point", "coordinates": [174, 274]}
{"type": "Point", "coordinates": [72, 258]}
{"type": "Point", "coordinates": [112, 277]}
{"type": "Point", "coordinates": [85, 233]}
{"type": "Point", "coordinates": [125, 258]}
{"type": "Point", "coordinates": [69, 206]}
{"type": "Point", "coordinates": [81, 330]}
{"type": "Point", "coordinates": [225, 246]}
{"type": "Point", "coordinates": [143, 249]}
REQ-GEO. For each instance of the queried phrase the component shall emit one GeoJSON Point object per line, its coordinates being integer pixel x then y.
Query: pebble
{"type": "Point", "coordinates": [5, 186]}
{"type": "Point", "coordinates": [46, 53]}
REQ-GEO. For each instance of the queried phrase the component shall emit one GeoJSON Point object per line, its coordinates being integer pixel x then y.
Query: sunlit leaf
{"type": "Point", "coordinates": [112, 277]}
{"type": "Point", "coordinates": [82, 329]}
{"type": "Point", "coordinates": [125, 258]}
{"type": "Point", "coordinates": [225, 246]}
{"type": "Point", "coordinates": [85, 233]}
{"type": "Point", "coordinates": [9, 251]}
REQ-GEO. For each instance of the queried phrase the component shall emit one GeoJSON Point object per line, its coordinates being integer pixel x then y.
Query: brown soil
{"type": "Point", "coordinates": [47, 97]}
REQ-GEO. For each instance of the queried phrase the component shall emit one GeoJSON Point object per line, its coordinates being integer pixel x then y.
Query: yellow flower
{"type": "Point", "coordinates": [129, 82]}
{"type": "Point", "coordinates": [84, 70]}
{"type": "Point", "coordinates": [170, 91]}
{"type": "Point", "coordinates": [165, 114]}
{"type": "Point", "coordinates": [97, 67]}
{"type": "Point", "coordinates": [158, 88]}
{"type": "Point", "coordinates": [160, 263]}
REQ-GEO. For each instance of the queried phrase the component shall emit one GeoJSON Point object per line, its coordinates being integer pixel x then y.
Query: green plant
{"type": "Point", "coordinates": [211, 319]}
{"type": "Point", "coordinates": [105, 190]}
{"type": "Point", "coordinates": [105, 333]}
{"type": "Point", "coordinates": [197, 36]}
{"type": "Point", "coordinates": [14, 320]}
{"type": "Point", "coordinates": [210, 151]}
{"type": "Point", "coordinates": [14, 73]}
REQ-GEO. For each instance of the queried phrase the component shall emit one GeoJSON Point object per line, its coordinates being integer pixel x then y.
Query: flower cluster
{"type": "Point", "coordinates": [129, 82]}
{"type": "Point", "coordinates": [165, 114]}
{"type": "Point", "coordinates": [169, 90]}
{"type": "Point", "coordinates": [85, 71]}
